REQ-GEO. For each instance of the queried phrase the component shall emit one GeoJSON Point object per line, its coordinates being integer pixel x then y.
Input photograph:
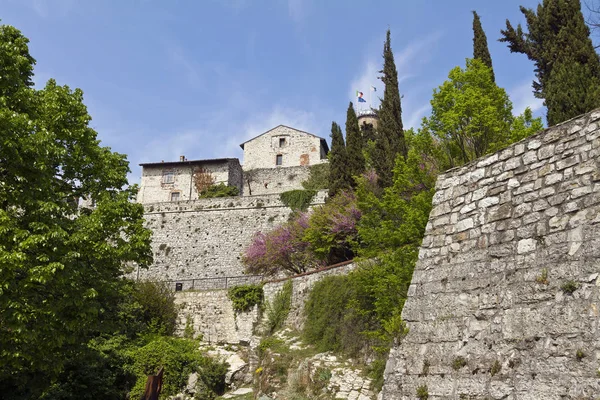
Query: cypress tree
{"type": "Point", "coordinates": [480, 46]}
{"type": "Point", "coordinates": [389, 141]}
{"type": "Point", "coordinates": [367, 132]}
{"type": "Point", "coordinates": [567, 67]}
{"type": "Point", "coordinates": [339, 178]}
{"type": "Point", "coordinates": [354, 145]}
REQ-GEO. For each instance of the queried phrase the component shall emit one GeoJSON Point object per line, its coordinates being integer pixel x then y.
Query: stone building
{"type": "Point", "coordinates": [279, 160]}
{"type": "Point", "coordinates": [174, 181]}
{"type": "Point", "coordinates": [283, 146]}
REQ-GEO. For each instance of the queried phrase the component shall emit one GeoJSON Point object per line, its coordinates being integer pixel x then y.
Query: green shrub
{"type": "Point", "coordinates": [188, 331]}
{"type": "Point", "coordinates": [458, 363]}
{"type": "Point", "coordinates": [279, 308]}
{"type": "Point", "coordinates": [318, 177]}
{"type": "Point", "coordinates": [244, 297]}
{"type": "Point", "coordinates": [579, 355]}
{"type": "Point", "coordinates": [333, 320]}
{"type": "Point", "coordinates": [496, 368]}
{"type": "Point", "coordinates": [180, 358]}
{"type": "Point", "coordinates": [269, 342]}
{"type": "Point", "coordinates": [569, 287]}
{"type": "Point", "coordinates": [297, 200]}
{"type": "Point", "coordinates": [220, 190]}
{"type": "Point", "coordinates": [422, 392]}
{"type": "Point", "coordinates": [145, 307]}
{"type": "Point", "coordinates": [99, 372]}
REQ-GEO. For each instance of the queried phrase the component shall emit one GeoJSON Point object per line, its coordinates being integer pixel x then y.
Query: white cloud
{"type": "Point", "coordinates": [297, 10]}
{"type": "Point", "coordinates": [411, 57]}
{"type": "Point", "coordinates": [522, 97]}
{"type": "Point", "coordinates": [415, 117]}
{"type": "Point", "coordinates": [178, 57]}
{"type": "Point", "coordinates": [47, 8]}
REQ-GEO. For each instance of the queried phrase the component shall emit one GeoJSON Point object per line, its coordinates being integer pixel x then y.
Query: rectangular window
{"type": "Point", "coordinates": [281, 142]}
{"type": "Point", "coordinates": [168, 177]}
{"type": "Point", "coordinates": [279, 159]}
{"type": "Point", "coordinates": [174, 196]}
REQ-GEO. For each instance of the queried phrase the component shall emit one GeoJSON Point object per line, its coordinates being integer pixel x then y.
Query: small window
{"type": "Point", "coordinates": [175, 196]}
{"type": "Point", "coordinates": [281, 142]}
{"type": "Point", "coordinates": [168, 177]}
{"type": "Point", "coordinates": [279, 159]}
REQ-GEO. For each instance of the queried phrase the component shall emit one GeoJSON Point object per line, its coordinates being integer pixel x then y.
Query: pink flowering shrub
{"type": "Point", "coordinates": [282, 249]}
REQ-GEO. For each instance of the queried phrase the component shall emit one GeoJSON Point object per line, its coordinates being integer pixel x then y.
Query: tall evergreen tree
{"type": "Point", "coordinates": [566, 65]}
{"type": "Point", "coordinates": [354, 145]}
{"type": "Point", "coordinates": [389, 140]}
{"type": "Point", "coordinates": [339, 177]}
{"type": "Point", "coordinates": [480, 46]}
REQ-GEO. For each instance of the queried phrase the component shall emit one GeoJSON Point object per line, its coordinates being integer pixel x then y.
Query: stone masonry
{"type": "Point", "coordinates": [211, 313]}
{"type": "Point", "coordinates": [505, 298]}
{"type": "Point", "coordinates": [160, 180]}
{"type": "Point", "coordinates": [295, 147]}
{"type": "Point", "coordinates": [274, 180]}
{"type": "Point", "coordinates": [204, 238]}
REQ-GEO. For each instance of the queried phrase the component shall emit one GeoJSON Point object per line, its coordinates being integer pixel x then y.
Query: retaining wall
{"type": "Point", "coordinates": [505, 298]}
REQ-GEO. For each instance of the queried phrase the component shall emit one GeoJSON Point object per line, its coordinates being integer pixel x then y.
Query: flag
{"type": "Point", "coordinates": [373, 89]}
{"type": "Point", "coordinates": [360, 97]}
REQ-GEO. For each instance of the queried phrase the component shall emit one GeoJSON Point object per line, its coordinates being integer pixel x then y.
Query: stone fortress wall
{"type": "Point", "coordinates": [505, 298]}
{"type": "Point", "coordinates": [274, 180]}
{"type": "Point", "coordinates": [204, 238]}
{"type": "Point", "coordinates": [212, 316]}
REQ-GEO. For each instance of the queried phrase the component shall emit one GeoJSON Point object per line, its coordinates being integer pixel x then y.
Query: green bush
{"type": "Point", "coordinates": [245, 297]}
{"type": "Point", "coordinates": [422, 392]}
{"type": "Point", "coordinates": [297, 200]}
{"type": "Point", "coordinates": [220, 190]}
{"type": "Point", "coordinates": [99, 372]}
{"type": "Point", "coordinates": [318, 177]}
{"type": "Point", "coordinates": [144, 307]}
{"type": "Point", "coordinates": [180, 358]}
{"type": "Point", "coordinates": [279, 308]}
{"type": "Point", "coordinates": [569, 287]}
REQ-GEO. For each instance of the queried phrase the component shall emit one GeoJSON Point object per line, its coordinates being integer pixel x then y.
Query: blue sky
{"type": "Point", "coordinates": [164, 78]}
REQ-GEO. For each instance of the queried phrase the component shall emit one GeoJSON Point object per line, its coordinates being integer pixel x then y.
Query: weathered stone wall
{"type": "Point", "coordinates": [204, 238]}
{"type": "Point", "coordinates": [274, 180]}
{"type": "Point", "coordinates": [154, 189]}
{"type": "Point", "coordinates": [508, 235]}
{"type": "Point", "coordinates": [211, 312]}
{"type": "Point", "coordinates": [211, 316]}
{"type": "Point", "coordinates": [296, 148]}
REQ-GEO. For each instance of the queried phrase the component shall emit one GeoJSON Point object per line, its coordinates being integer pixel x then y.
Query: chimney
{"type": "Point", "coordinates": [181, 158]}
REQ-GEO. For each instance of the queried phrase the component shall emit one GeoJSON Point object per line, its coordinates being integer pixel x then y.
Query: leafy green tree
{"type": "Point", "coordinates": [332, 228]}
{"type": "Point", "coordinates": [61, 266]}
{"type": "Point", "coordinates": [470, 115]}
{"type": "Point", "coordinates": [339, 177]}
{"type": "Point", "coordinates": [354, 144]}
{"type": "Point", "coordinates": [390, 134]}
{"type": "Point", "coordinates": [480, 45]}
{"type": "Point", "coordinates": [525, 125]}
{"type": "Point", "coordinates": [567, 67]}
{"type": "Point", "coordinates": [318, 177]}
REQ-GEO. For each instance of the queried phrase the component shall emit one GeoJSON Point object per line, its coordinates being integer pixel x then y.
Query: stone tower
{"type": "Point", "coordinates": [369, 117]}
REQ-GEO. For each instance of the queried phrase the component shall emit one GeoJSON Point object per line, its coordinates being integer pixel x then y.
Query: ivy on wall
{"type": "Point", "coordinates": [297, 200]}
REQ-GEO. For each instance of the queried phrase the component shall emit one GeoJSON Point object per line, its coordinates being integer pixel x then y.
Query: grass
{"type": "Point", "coordinates": [569, 287]}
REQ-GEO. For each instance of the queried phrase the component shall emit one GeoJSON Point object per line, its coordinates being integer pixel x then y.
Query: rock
{"type": "Point", "coordinates": [238, 392]}
{"type": "Point", "coordinates": [191, 384]}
